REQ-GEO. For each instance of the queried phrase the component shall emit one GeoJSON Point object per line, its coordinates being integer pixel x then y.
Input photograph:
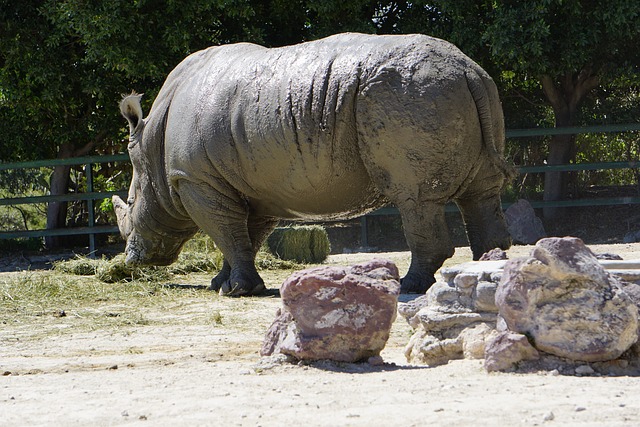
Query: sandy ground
{"type": "Point", "coordinates": [175, 374]}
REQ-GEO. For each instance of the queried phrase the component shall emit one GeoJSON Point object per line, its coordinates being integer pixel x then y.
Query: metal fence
{"type": "Point", "coordinates": [90, 196]}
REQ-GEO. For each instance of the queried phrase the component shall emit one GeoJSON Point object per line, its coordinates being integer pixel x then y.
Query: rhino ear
{"type": "Point", "coordinates": [131, 110]}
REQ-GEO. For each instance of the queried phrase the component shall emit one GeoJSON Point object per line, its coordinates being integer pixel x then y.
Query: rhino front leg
{"type": "Point", "coordinates": [259, 229]}
{"type": "Point", "coordinates": [240, 278]}
{"type": "Point", "coordinates": [223, 215]}
{"type": "Point", "coordinates": [222, 276]}
{"type": "Point", "coordinates": [428, 238]}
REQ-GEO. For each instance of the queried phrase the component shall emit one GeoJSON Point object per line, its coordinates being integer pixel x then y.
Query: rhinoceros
{"type": "Point", "coordinates": [241, 136]}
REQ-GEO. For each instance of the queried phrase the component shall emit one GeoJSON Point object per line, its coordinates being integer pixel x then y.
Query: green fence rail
{"type": "Point", "coordinates": [522, 133]}
{"type": "Point", "coordinates": [90, 196]}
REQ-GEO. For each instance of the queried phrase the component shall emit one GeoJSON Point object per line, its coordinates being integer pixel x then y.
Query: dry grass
{"type": "Point", "coordinates": [89, 294]}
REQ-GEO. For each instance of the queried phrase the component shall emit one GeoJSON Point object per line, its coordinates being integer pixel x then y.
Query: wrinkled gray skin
{"type": "Point", "coordinates": [241, 136]}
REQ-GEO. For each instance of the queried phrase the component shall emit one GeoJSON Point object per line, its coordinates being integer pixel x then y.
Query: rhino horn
{"type": "Point", "coordinates": [124, 223]}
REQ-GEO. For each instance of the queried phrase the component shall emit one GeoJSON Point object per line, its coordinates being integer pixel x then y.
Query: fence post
{"type": "Point", "coordinates": [92, 221]}
{"type": "Point", "coordinates": [364, 238]}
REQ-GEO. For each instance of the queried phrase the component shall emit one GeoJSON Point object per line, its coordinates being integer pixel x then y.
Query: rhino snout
{"type": "Point", "coordinates": [135, 255]}
{"type": "Point", "coordinates": [144, 251]}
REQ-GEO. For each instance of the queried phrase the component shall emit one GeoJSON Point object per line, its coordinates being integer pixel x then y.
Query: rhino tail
{"type": "Point", "coordinates": [131, 110]}
{"type": "Point", "coordinates": [488, 107]}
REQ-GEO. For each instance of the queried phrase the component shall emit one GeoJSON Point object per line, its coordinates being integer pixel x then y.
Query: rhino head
{"type": "Point", "coordinates": [154, 236]}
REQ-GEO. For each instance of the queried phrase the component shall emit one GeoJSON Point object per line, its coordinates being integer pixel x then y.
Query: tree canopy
{"type": "Point", "coordinates": [64, 64]}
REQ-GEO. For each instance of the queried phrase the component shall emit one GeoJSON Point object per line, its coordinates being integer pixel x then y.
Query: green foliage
{"type": "Point", "coordinates": [559, 36]}
{"type": "Point", "coordinates": [20, 244]}
{"type": "Point", "coordinates": [306, 244]}
{"type": "Point", "coordinates": [64, 64]}
{"type": "Point", "coordinates": [15, 183]}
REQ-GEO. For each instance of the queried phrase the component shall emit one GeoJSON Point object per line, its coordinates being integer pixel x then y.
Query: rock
{"type": "Point", "coordinates": [563, 299]}
{"type": "Point", "coordinates": [523, 224]}
{"type": "Point", "coordinates": [465, 280]}
{"type": "Point", "coordinates": [453, 318]}
{"type": "Point", "coordinates": [504, 350]}
{"type": "Point", "coordinates": [427, 349]}
{"type": "Point", "coordinates": [633, 291]}
{"type": "Point", "coordinates": [436, 321]}
{"type": "Point", "coordinates": [584, 370]}
{"type": "Point", "coordinates": [609, 256]}
{"type": "Point", "coordinates": [409, 309]}
{"type": "Point", "coordinates": [624, 270]}
{"type": "Point", "coordinates": [484, 270]}
{"type": "Point", "coordinates": [342, 314]}
{"type": "Point", "coordinates": [485, 297]}
{"type": "Point", "coordinates": [496, 254]}
{"type": "Point", "coordinates": [631, 237]}
{"type": "Point", "coordinates": [474, 341]}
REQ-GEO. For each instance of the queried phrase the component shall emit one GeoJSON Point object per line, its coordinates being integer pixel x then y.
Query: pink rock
{"type": "Point", "coordinates": [338, 313]}
{"type": "Point", "coordinates": [505, 349]}
{"type": "Point", "coordinates": [496, 254]}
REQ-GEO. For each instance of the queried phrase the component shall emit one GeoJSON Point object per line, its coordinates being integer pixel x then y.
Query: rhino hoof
{"type": "Point", "coordinates": [220, 278]}
{"type": "Point", "coordinates": [239, 289]}
{"type": "Point", "coordinates": [215, 284]}
{"type": "Point", "coordinates": [412, 284]}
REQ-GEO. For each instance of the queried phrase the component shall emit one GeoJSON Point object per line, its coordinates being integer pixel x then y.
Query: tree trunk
{"type": "Point", "coordinates": [565, 96]}
{"type": "Point", "coordinates": [59, 184]}
{"type": "Point", "coordinates": [561, 149]}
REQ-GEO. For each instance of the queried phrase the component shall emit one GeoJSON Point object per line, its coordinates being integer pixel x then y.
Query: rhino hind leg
{"type": "Point", "coordinates": [427, 235]}
{"type": "Point", "coordinates": [485, 225]}
{"type": "Point", "coordinates": [482, 212]}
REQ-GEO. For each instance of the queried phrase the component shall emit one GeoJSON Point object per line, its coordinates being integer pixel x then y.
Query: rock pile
{"type": "Point", "coordinates": [559, 304]}
{"type": "Point", "coordinates": [342, 314]}
{"type": "Point", "coordinates": [456, 315]}
{"type": "Point", "coordinates": [561, 298]}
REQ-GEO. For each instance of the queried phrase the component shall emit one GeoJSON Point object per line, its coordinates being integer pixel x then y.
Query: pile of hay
{"type": "Point", "coordinates": [200, 255]}
{"type": "Point", "coordinates": [265, 260]}
{"type": "Point", "coordinates": [307, 244]}
{"type": "Point", "coordinates": [115, 270]}
{"type": "Point", "coordinates": [79, 266]}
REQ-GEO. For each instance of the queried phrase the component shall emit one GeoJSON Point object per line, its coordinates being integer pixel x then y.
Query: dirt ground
{"type": "Point", "coordinates": [178, 372]}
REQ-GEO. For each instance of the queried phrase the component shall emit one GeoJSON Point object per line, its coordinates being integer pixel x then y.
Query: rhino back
{"type": "Point", "coordinates": [279, 125]}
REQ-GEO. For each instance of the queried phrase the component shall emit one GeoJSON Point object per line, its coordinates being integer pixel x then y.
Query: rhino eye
{"type": "Point", "coordinates": [130, 201]}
